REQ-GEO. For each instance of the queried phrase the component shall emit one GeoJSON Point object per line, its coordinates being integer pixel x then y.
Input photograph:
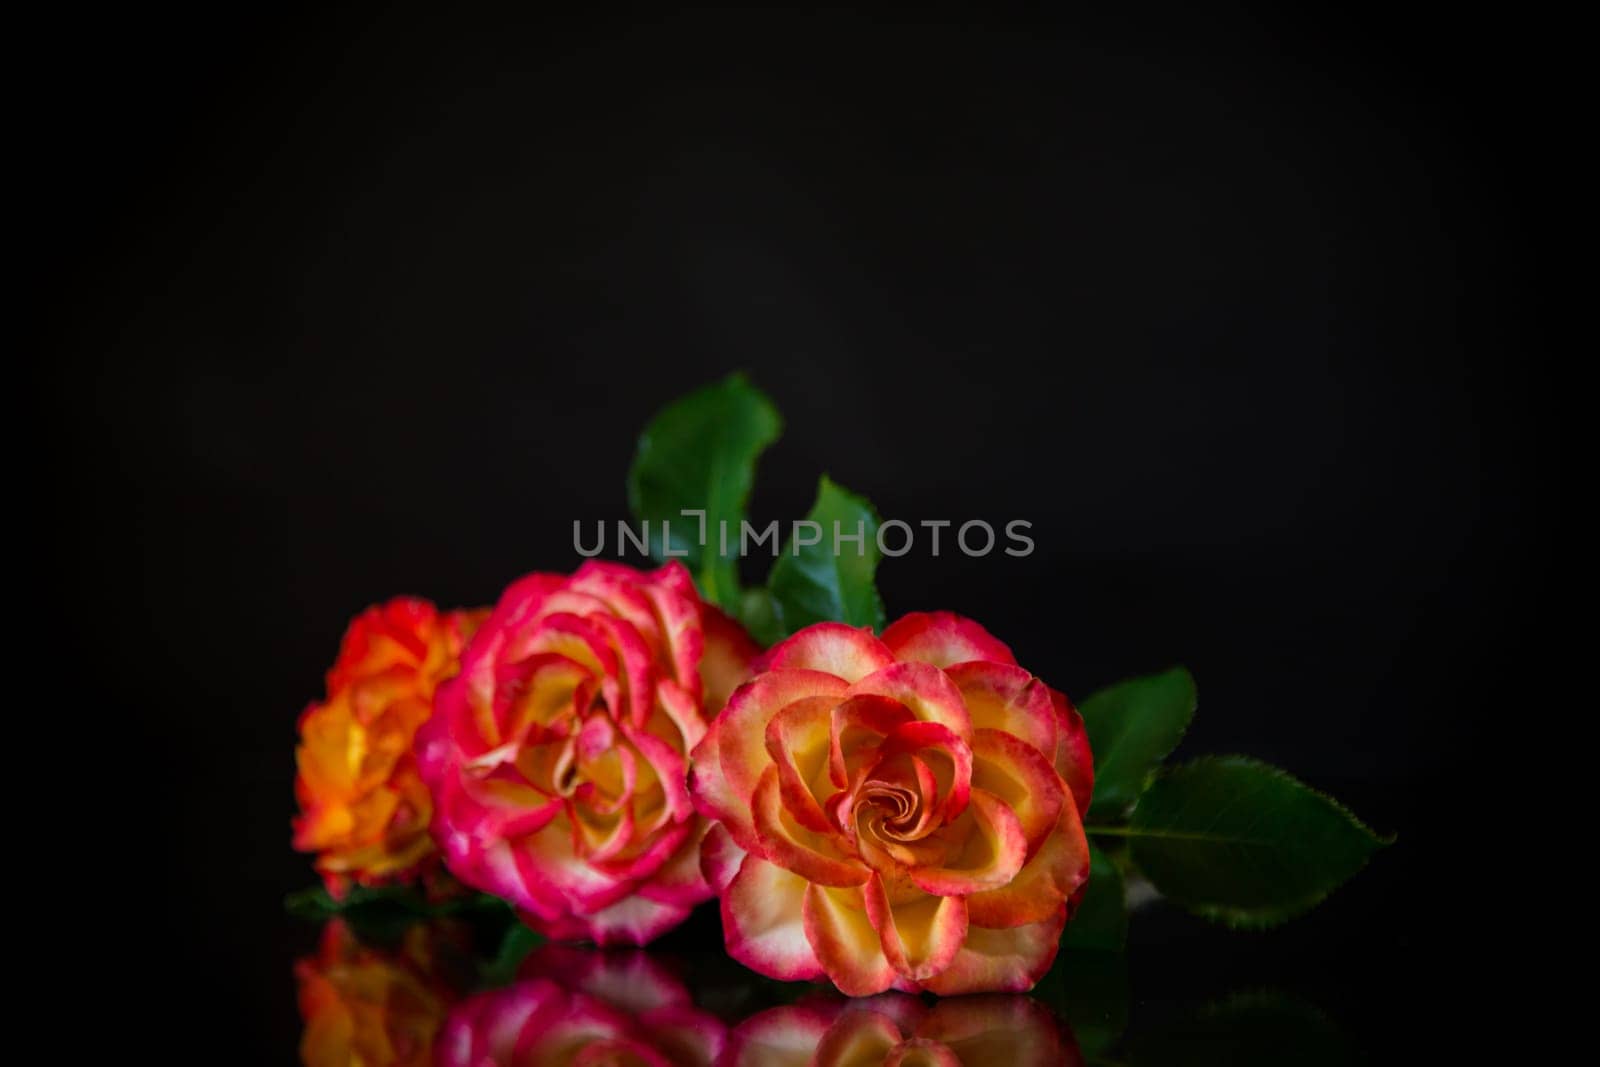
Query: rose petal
{"type": "Point", "coordinates": [1053, 874]}
{"type": "Point", "coordinates": [720, 857]}
{"type": "Point", "coordinates": [763, 922]}
{"type": "Point", "coordinates": [798, 741]}
{"type": "Point", "coordinates": [521, 601]}
{"type": "Point", "coordinates": [1074, 761]}
{"type": "Point", "coordinates": [713, 795]}
{"type": "Point", "coordinates": [635, 865]}
{"type": "Point", "coordinates": [846, 944]}
{"type": "Point", "coordinates": [613, 588]}
{"type": "Point", "coordinates": [936, 739]}
{"type": "Point", "coordinates": [988, 849]}
{"type": "Point", "coordinates": [671, 592]}
{"type": "Point", "coordinates": [815, 857]}
{"type": "Point", "coordinates": [670, 771]}
{"type": "Point", "coordinates": [1000, 696]}
{"type": "Point", "coordinates": [942, 639]}
{"type": "Point", "coordinates": [725, 664]}
{"type": "Point", "coordinates": [1001, 961]}
{"type": "Point", "coordinates": [681, 879]}
{"type": "Point", "coordinates": [599, 838]}
{"type": "Point", "coordinates": [633, 920]}
{"type": "Point", "coordinates": [741, 729]}
{"type": "Point", "coordinates": [382, 636]}
{"type": "Point", "coordinates": [919, 936]}
{"type": "Point", "coordinates": [831, 647]}
{"type": "Point", "coordinates": [546, 863]}
{"type": "Point", "coordinates": [493, 866]}
{"type": "Point", "coordinates": [529, 695]}
{"type": "Point", "coordinates": [1020, 775]}
{"type": "Point", "coordinates": [856, 729]}
{"type": "Point", "coordinates": [572, 636]}
{"type": "Point", "coordinates": [926, 690]}
{"type": "Point", "coordinates": [679, 708]}
{"type": "Point", "coordinates": [674, 576]}
{"type": "Point", "coordinates": [634, 659]}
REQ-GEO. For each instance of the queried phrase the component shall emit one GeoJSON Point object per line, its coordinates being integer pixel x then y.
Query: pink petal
{"type": "Point", "coordinates": [762, 922]}
{"type": "Point", "coordinates": [919, 936]}
{"type": "Point", "coordinates": [1001, 961]}
{"type": "Point", "coordinates": [942, 639]}
{"type": "Point", "coordinates": [831, 647]}
{"type": "Point", "coordinates": [926, 690]}
{"type": "Point", "coordinates": [845, 942]}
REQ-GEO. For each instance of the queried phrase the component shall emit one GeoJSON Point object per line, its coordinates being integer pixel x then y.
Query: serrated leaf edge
{"type": "Point", "coordinates": [1262, 919]}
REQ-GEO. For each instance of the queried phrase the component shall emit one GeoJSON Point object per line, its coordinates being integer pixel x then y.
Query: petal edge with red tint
{"type": "Point", "coordinates": [943, 638]}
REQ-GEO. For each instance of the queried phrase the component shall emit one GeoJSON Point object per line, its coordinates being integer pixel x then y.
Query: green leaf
{"type": "Point", "coordinates": [315, 903]}
{"type": "Point", "coordinates": [1241, 842]}
{"type": "Point", "coordinates": [1133, 726]}
{"type": "Point", "coordinates": [758, 613]}
{"type": "Point", "coordinates": [700, 453]}
{"type": "Point", "coordinates": [815, 583]}
{"type": "Point", "coordinates": [1101, 922]}
{"type": "Point", "coordinates": [380, 914]}
{"type": "Point", "coordinates": [518, 941]}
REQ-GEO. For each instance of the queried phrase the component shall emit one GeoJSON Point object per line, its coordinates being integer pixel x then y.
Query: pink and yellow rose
{"type": "Point", "coordinates": [557, 757]}
{"type": "Point", "coordinates": [901, 813]}
{"type": "Point", "coordinates": [364, 810]}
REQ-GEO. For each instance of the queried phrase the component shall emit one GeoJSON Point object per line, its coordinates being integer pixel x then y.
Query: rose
{"type": "Point", "coordinates": [898, 1030]}
{"type": "Point", "coordinates": [572, 1006]}
{"type": "Point", "coordinates": [366, 1005]}
{"type": "Point", "coordinates": [557, 757]}
{"type": "Point", "coordinates": [364, 810]}
{"type": "Point", "coordinates": [899, 813]}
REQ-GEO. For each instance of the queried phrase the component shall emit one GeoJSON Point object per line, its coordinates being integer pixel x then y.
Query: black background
{"type": "Point", "coordinates": [1227, 305]}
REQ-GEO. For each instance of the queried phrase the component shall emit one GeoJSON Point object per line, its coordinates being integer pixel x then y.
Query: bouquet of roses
{"type": "Point", "coordinates": [884, 805]}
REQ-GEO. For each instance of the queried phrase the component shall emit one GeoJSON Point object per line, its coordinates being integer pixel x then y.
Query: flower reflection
{"type": "Point", "coordinates": [372, 1006]}
{"type": "Point", "coordinates": [904, 1031]}
{"type": "Point", "coordinates": [404, 1005]}
{"type": "Point", "coordinates": [576, 1006]}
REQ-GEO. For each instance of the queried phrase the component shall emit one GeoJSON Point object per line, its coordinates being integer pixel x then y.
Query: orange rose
{"type": "Point", "coordinates": [364, 810]}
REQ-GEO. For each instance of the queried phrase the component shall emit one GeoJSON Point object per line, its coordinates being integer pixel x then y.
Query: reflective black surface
{"type": "Point", "coordinates": [440, 991]}
{"type": "Point", "coordinates": [1338, 987]}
